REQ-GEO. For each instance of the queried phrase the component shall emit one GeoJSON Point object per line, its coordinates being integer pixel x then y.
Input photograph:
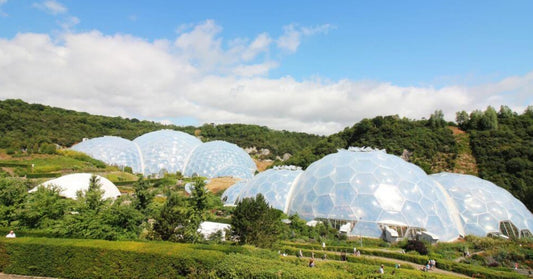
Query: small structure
{"type": "Point", "coordinates": [428, 237]}
{"type": "Point", "coordinates": [390, 235]}
{"type": "Point", "coordinates": [208, 229]}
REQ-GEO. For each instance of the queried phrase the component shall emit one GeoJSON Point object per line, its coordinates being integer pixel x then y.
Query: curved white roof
{"type": "Point", "coordinates": [166, 149]}
{"type": "Point", "coordinates": [483, 205]}
{"type": "Point", "coordinates": [372, 189]}
{"type": "Point", "coordinates": [72, 183]}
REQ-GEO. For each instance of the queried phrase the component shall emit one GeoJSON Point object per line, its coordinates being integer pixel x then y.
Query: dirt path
{"type": "Point", "coordinates": [418, 266]}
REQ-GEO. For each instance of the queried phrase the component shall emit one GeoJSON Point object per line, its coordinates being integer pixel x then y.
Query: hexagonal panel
{"type": "Point", "coordinates": [482, 204]}
{"type": "Point", "coordinates": [344, 194]}
{"type": "Point", "coordinates": [414, 214]}
{"type": "Point", "coordinates": [389, 197]}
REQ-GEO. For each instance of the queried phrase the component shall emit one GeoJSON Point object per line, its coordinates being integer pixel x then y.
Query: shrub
{"type": "Point", "coordinates": [416, 245]}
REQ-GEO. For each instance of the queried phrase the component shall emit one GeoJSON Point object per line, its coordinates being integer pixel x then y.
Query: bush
{"type": "Point", "coordinates": [416, 245]}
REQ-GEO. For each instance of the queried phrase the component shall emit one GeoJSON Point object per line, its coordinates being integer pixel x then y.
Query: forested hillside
{"type": "Point", "coordinates": [502, 143]}
{"type": "Point", "coordinates": [34, 127]}
{"type": "Point", "coordinates": [429, 144]}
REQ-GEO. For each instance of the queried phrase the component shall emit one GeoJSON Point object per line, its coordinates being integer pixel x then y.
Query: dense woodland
{"type": "Point", "coordinates": [33, 127]}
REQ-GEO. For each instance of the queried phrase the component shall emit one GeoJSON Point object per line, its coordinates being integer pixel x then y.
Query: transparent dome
{"type": "Point", "coordinates": [113, 151]}
{"type": "Point", "coordinates": [485, 207]}
{"type": "Point", "coordinates": [372, 189]}
{"type": "Point", "coordinates": [166, 149]}
{"type": "Point", "coordinates": [72, 183]}
{"type": "Point", "coordinates": [273, 184]}
{"type": "Point", "coordinates": [231, 195]}
{"type": "Point", "coordinates": [220, 158]}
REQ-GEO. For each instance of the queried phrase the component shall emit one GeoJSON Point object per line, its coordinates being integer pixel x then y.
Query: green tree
{"type": "Point", "coordinates": [199, 201]}
{"type": "Point", "coordinates": [255, 222]}
{"type": "Point", "coordinates": [92, 199]}
{"type": "Point", "coordinates": [143, 195]}
{"type": "Point", "coordinates": [489, 121]}
{"type": "Point", "coordinates": [475, 119]}
{"type": "Point", "coordinates": [174, 220]}
{"type": "Point", "coordinates": [436, 120]}
{"type": "Point", "coordinates": [12, 194]}
{"type": "Point", "coordinates": [505, 112]}
{"type": "Point", "coordinates": [44, 208]}
{"type": "Point", "coordinates": [462, 119]}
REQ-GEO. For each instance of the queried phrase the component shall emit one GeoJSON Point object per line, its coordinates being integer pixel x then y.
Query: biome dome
{"type": "Point", "coordinates": [113, 151]}
{"type": "Point", "coordinates": [274, 184]}
{"type": "Point", "coordinates": [220, 158]}
{"type": "Point", "coordinates": [171, 151]}
{"type": "Point", "coordinates": [166, 150]}
{"type": "Point", "coordinates": [486, 208]}
{"type": "Point", "coordinates": [372, 190]}
{"type": "Point", "coordinates": [231, 195]}
{"type": "Point", "coordinates": [72, 183]}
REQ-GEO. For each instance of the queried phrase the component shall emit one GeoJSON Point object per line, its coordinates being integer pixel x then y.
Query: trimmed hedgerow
{"type": "Point", "coordinates": [71, 258]}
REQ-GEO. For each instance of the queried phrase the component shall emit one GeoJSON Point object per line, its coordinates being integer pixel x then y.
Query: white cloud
{"type": "Point", "coordinates": [131, 77]}
{"type": "Point", "coordinates": [202, 46]}
{"type": "Point", "coordinates": [292, 35]}
{"type": "Point", "coordinates": [51, 6]}
{"type": "Point", "coordinates": [68, 23]}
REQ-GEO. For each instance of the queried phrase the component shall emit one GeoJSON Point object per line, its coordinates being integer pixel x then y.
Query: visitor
{"type": "Point", "coordinates": [311, 262]}
{"type": "Point", "coordinates": [323, 245]}
{"type": "Point", "coordinates": [354, 251]}
{"type": "Point", "coordinates": [381, 270]}
{"type": "Point", "coordinates": [11, 234]}
{"type": "Point", "coordinates": [433, 264]}
{"type": "Point", "coordinates": [300, 254]}
{"type": "Point", "coordinates": [324, 256]}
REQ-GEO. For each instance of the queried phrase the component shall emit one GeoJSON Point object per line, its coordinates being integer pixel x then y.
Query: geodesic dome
{"type": "Point", "coordinates": [372, 189]}
{"type": "Point", "coordinates": [220, 158]}
{"type": "Point", "coordinates": [171, 151]}
{"type": "Point", "coordinates": [231, 195]}
{"type": "Point", "coordinates": [72, 183]}
{"type": "Point", "coordinates": [113, 151]}
{"type": "Point", "coordinates": [485, 207]}
{"type": "Point", "coordinates": [166, 149]}
{"type": "Point", "coordinates": [273, 184]}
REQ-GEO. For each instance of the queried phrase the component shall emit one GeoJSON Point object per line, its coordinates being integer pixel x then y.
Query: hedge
{"type": "Point", "coordinates": [9, 164]}
{"type": "Point", "coordinates": [71, 258]}
{"type": "Point", "coordinates": [43, 175]}
{"type": "Point", "coordinates": [131, 182]}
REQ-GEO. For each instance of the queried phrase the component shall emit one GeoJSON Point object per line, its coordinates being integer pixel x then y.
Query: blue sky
{"type": "Point", "coordinates": [450, 55]}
